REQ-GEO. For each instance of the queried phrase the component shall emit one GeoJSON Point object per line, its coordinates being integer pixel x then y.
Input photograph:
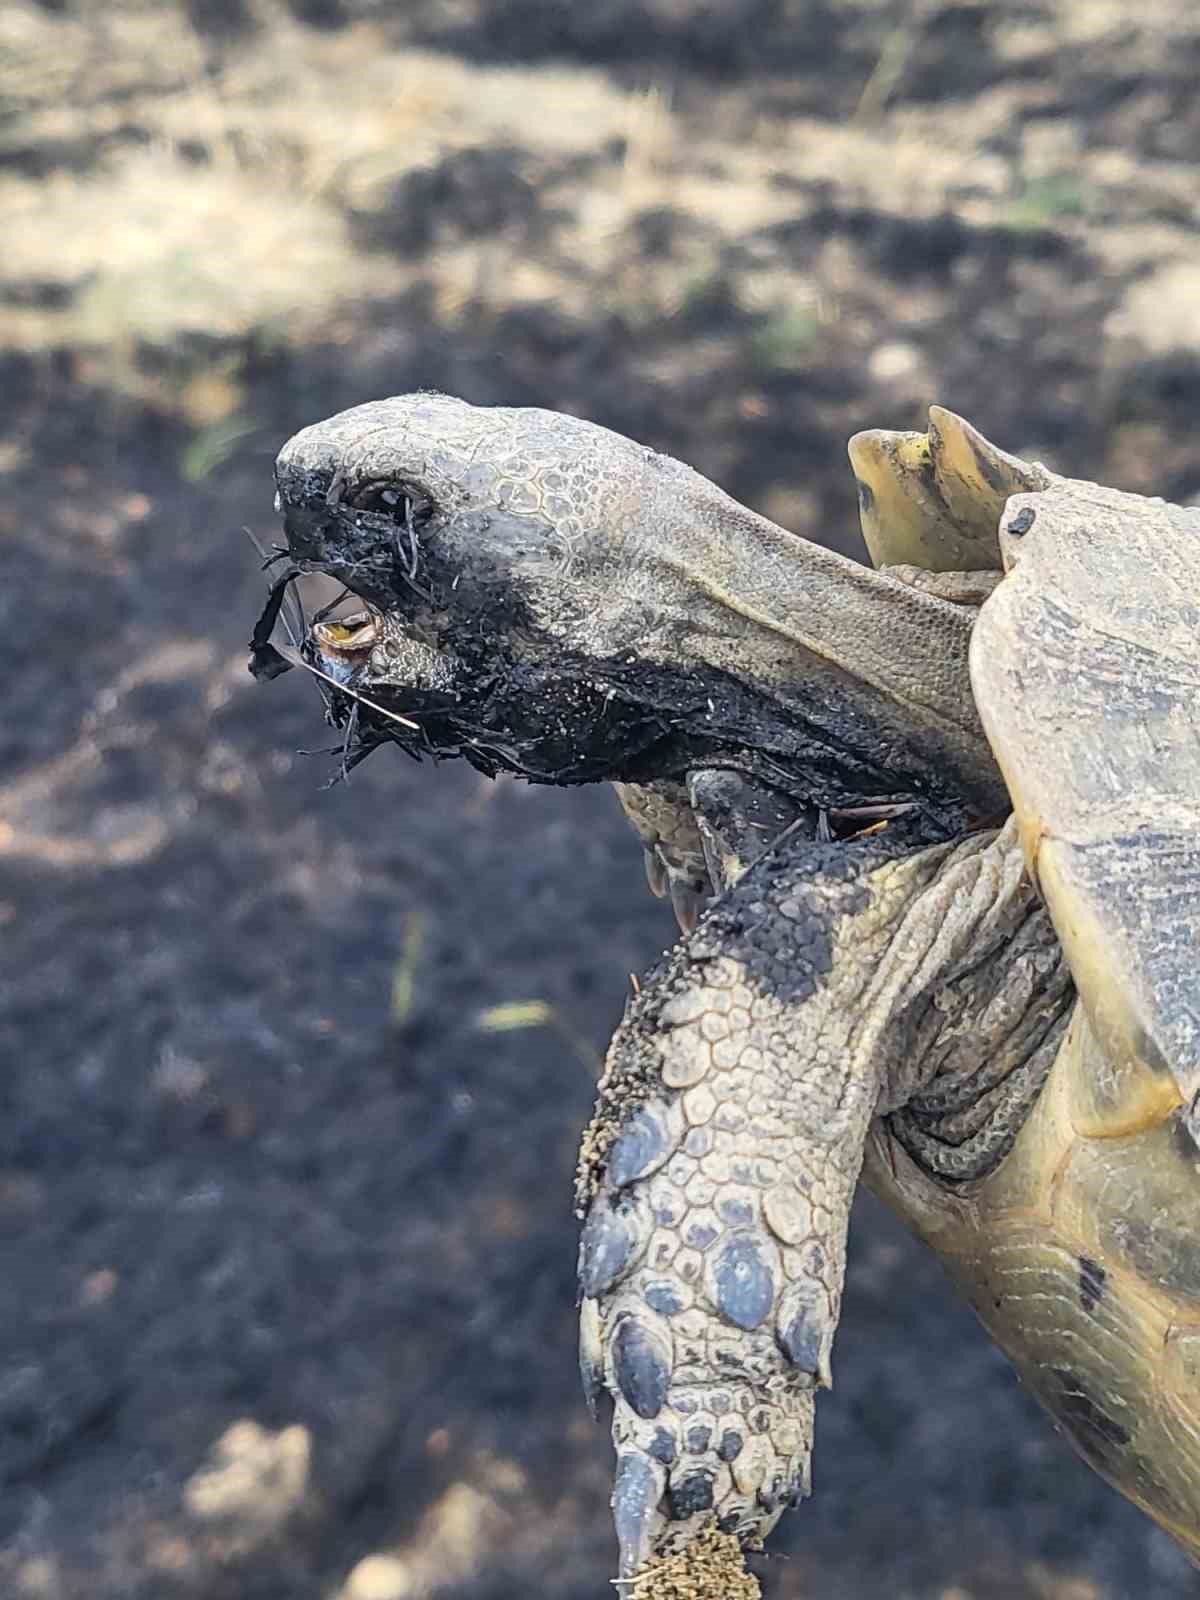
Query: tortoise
{"type": "Point", "coordinates": [931, 835]}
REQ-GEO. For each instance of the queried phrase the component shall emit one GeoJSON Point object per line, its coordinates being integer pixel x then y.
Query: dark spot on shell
{"type": "Point", "coordinates": [1169, 1255]}
{"type": "Point", "coordinates": [1186, 1130]}
{"type": "Point", "coordinates": [694, 1494]}
{"type": "Point", "coordinates": [760, 1422]}
{"type": "Point", "coordinates": [927, 477]}
{"type": "Point", "coordinates": [1149, 1051]}
{"type": "Point", "coordinates": [730, 1447]}
{"type": "Point", "coordinates": [745, 1287]}
{"type": "Point", "coordinates": [1022, 522]}
{"type": "Point", "coordinates": [606, 1248]}
{"type": "Point", "coordinates": [1098, 1436]}
{"type": "Point", "coordinates": [700, 1235]}
{"type": "Point", "coordinates": [866, 495]}
{"type": "Point", "coordinates": [1091, 1282]}
{"type": "Point", "coordinates": [641, 1367]}
{"type": "Point", "coordinates": [662, 1447]}
{"type": "Point", "coordinates": [661, 1297]}
{"type": "Point", "coordinates": [987, 467]}
{"type": "Point", "coordinates": [738, 1212]}
{"type": "Point", "coordinates": [698, 1439]}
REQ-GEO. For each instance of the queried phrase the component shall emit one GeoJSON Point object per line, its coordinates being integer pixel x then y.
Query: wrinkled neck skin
{"type": "Point", "coordinates": [805, 663]}
{"type": "Point", "coordinates": [980, 1010]}
{"type": "Point", "coordinates": [581, 608]}
{"type": "Point", "coordinates": [955, 1018]}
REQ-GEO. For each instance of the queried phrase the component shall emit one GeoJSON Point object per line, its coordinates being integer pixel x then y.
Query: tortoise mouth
{"type": "Point", "coordinates": [353, 636]}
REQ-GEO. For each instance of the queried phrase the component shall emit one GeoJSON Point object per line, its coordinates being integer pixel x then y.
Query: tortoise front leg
{"type": "Point", "coordinates": [717, 1177]}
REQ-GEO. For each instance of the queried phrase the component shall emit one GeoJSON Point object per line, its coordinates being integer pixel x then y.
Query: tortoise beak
{"type": "Point", "coordinates": [347, 636]}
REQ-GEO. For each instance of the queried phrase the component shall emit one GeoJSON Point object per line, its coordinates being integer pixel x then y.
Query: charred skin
{"type": "Point", "coordinates": [551, 599]}
{"type": "Point", "coordinates": [796, 742]}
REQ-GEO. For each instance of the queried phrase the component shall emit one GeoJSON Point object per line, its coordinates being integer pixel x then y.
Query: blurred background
{"type": "Point", "coordinates": [293, 1075]}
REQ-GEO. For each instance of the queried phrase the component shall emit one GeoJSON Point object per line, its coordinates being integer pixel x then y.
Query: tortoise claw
{"type": "Point", "coordinates": [637, 1493]}
{"type": "Point", "coordinates": [591, 1354]}
{"type": "Point", "coordinates": [656, 872]}
{"type": "Point", "coordinates": [687, 901]}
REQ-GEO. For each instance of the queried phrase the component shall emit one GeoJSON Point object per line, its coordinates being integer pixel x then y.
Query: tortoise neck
{"type": "Point", "coordinates": [831, 654]}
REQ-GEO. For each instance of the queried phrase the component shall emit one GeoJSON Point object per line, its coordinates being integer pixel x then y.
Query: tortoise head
{"type": "Point", "coordinates": [548, 597]}
{"type": "Point", "coordinates": [518, 574]}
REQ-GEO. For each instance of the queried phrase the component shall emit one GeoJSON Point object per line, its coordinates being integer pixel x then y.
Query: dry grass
{"type": "Point", "coordinates": [212, 197]}
{"type": "Point", "coordinates": [230, 211]}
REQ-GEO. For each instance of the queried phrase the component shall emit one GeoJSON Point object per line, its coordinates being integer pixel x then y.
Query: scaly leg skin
{"type": "Point", "coordinates": [739, 818]}
{"type": "Point", "coordinates": [718, 1172]}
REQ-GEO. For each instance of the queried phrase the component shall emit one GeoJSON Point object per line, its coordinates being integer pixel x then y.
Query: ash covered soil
{"type": "Point", "coordinates": [293, 1075]}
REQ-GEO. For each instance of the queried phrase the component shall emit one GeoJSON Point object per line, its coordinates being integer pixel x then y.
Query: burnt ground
{"type": "Point", "coordinates": [293, 1075]}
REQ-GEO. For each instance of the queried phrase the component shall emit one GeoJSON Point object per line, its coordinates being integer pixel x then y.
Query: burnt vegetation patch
{"type": "Point", "coordinates": [727, 41]}
{"type": "Point", "coordinates": [474, 193]}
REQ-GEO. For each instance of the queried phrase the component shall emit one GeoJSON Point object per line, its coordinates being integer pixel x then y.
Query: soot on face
{"type": "Point", "coordinates": [526, 682]}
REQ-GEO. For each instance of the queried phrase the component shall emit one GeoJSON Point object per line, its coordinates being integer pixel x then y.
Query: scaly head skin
{"type": "Point", "coordinates": [549, 598]}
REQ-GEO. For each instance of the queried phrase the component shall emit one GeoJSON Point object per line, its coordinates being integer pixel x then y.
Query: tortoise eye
{"type": "Point", "coordinates": [404, 502]}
